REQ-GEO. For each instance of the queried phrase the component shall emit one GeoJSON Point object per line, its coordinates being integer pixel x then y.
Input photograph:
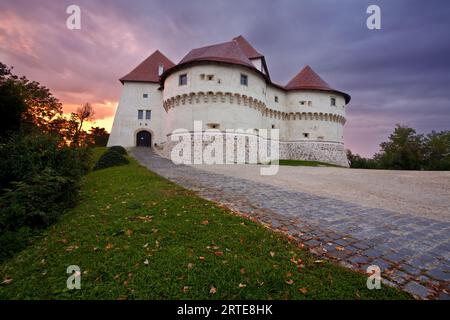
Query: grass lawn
{"type": "Point", "coordinates": [136, 235]}
{"type": "Point", "coordinates": [306, 163]}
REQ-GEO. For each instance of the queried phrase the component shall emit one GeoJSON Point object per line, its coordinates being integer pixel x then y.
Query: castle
{"type": "Point", "coordinates": [228, 86]}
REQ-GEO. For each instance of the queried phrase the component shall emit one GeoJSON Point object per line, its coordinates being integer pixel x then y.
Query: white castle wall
{"type": "Point", "coordinates": [224, 101]}
{"type": "Point", "coordinates": [126, 123]}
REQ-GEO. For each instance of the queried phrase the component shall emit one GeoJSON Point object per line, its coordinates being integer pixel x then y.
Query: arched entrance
{"type": "Point", "coordinates": [143, 139]}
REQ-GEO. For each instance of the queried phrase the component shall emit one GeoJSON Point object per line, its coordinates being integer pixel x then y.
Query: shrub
{"type": "Point", "coordinates": [109, 159]}
{"type": "Point", "coordinates": [38, 202]}
{"type": "Point", "coordinates": [22, 157]}
{"type": "Point", "coordinates": [119, 149]}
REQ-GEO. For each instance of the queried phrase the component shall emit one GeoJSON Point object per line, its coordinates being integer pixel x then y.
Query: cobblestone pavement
{"type": "Point", "coordinates": [412, 252]}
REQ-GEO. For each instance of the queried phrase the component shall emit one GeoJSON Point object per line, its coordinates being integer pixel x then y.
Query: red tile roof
{"type": "Point", "coordinates": [147, 71]}
{"type": "Point", "coordinates": [229, 52]}
{"type": "Point", "coordinates": [308, 79]}
{"type": "Point", "coordinates": [247, 48]}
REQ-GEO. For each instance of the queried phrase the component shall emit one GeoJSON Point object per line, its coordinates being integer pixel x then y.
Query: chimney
{"type": "Point", "coordinates": [160, 69]}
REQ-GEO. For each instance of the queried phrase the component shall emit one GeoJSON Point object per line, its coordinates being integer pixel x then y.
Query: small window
{"type": "Point", "coordinates": [210, 77]}
{"type": "Point", "coordinates": [305, 135]}
{"type": "Point", "coordinates": [273, 126]}
{"type": "Point", "coordinates": [276, 98]}
{"type": "Point", "coordinates": [213, 125]}
{"type": "Point", "coordinates": [244, 79]}
{"type": "Point", "coordinates": [202, 76]}
{"type": "Point", "coordinates": [145, 95]}
{"type": "Point", "coordinates": [310, 103]}
{"type": "Point", "coordinates": [160, 69]}
{"type": "Point", "coordinates": [182, 80]}
{"type": "Point", "coordinates": [302, 103]}
{"type": "Point", "coordinates": [148, 114]}
{"type": "Point", "coordinates": [333, 102]}
{"type": "Point", "coordinates": [140, 114]}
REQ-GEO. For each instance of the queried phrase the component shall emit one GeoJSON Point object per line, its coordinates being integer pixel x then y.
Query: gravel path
{"type": "Point", "coordinates": [422, 193]}
{"type": "Point", "coordinates": [412, 251]}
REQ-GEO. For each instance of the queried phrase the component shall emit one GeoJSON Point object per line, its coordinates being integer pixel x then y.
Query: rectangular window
{"type": "Point", "coordinates": [333, 102]}
{"type": "Point", "coordinates": [148, 114]}
{"type": "Point", "coordinates": [306, 135]}
{"type": "Point", "coordinates": [145, 95]}
{"type": "Point", "coordinates": [182, 80]}
{"type": "Point", "coordinates": [140, 114]}
{"type": "Point", "coordinates": [244, 79]}
{"type": "Point", "coordinates": [302, 103]}
{"type": "Point", "coordinates": [276, 98]}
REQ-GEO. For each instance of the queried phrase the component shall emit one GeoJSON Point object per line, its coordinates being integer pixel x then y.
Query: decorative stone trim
{"type": "Point", "coordinates": [223, 97]}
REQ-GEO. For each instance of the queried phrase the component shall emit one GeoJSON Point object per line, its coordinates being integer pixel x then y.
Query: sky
{"type": "Point", "coordinates": [398, 74]}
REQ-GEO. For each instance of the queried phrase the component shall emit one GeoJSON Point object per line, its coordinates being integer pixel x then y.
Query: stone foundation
{"type": "Point", "coordinates": [328, 152]}
{"type": "Point", "coordinates": [322, 151]}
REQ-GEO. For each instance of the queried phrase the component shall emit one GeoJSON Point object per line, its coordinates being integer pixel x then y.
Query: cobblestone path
{"type": "Point", "coordinates": [412, 252]}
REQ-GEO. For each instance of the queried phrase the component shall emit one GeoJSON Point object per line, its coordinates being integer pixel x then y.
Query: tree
{"type": "Point", "coordinates": [12, 102]}
{"type": "Point", "coordinates": [85, 112]}
{"type": "Point", "coordinates": [356, 161]}
{"type": "Point", "coordinates": [98, 137]}
{"type": "Point", "coordinates": [403, 150]}
{"type": "Point", "coordinates": [437, 151]}
{"type": "Point", "coordinates": [24, 104]}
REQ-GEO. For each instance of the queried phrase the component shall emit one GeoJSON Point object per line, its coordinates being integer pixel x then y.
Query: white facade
{"type": "Point", "coordinates": [310, 123]}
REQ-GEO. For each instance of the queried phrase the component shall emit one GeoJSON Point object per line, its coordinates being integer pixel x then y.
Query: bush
{"type": "Point", "coordinates": [109, 159]}
{"type": "Point", "coordinates": [119, 149]}
{"type": "Point", "coordinates": [23, 157]}
{"type": "Point", "coordinates": [38, 202]}
{"type": "Point", "coordinates": [39, 177]}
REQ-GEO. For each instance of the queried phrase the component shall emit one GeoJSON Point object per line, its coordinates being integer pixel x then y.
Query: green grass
{"type": "Point", "coordinates": [137, 236]}
{"type": "Point", "coordinates": [306, 163]}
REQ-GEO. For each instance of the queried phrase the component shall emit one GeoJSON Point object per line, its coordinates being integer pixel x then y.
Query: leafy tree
{"type": "Point", "coordinates": [403, 150]}
{"type": "Point", "coordinates": [356, 161]}
{"type": "Point", "coordinates": [25, 104]}
{"type": "Point", "coordinates": [12, 102]}
{"type": "Point", "coordinates": [98, 136]}
{"type": "Point", "coordinates": [437, 151]}
{"type": "Point", "coordinates": [85, 112]}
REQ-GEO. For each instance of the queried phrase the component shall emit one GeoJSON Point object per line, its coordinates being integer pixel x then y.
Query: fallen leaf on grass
{"type": "Point", "coordinates": [201, 258]}
{"type": "Point", "coordinates": [204, 222]}
{"type": "Point", "coordinates": [129, 232]}
{"type": "Point", "coordinates": [186, 289]}
{"type": "Point", "coordinates": [272, 254]}
{"type": "Point", "coordinates": [71, 248]}
{"type": "Point", "coordinates": [7, 280]}
{"type": "Point", "coordinates": [146, 262]}
{"type": "Point", "coordinates": [290, 281]}
{"type": "Point", "coordinates": [218, 253]}
{"type": "Point", "coordinates": [241, 285]}
{"type": "Point", "coordinates": [190, 265]}
{"type": "Point", "coordinates": [146, 218]}
{"type": "Point", "coordinates": [242, 271]}
{"type": "Point", "coordinates": [213, 290]}
{"type": "Point", "coordinates": [289, 274]}
{"type": "Point", "coordinates": [109, 246]}
{"type": "Point", "coordinates": [303, 290]}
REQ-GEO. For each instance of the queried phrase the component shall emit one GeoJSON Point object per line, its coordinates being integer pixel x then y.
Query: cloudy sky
{"type": "Point", "coordinates": [399, 74]}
